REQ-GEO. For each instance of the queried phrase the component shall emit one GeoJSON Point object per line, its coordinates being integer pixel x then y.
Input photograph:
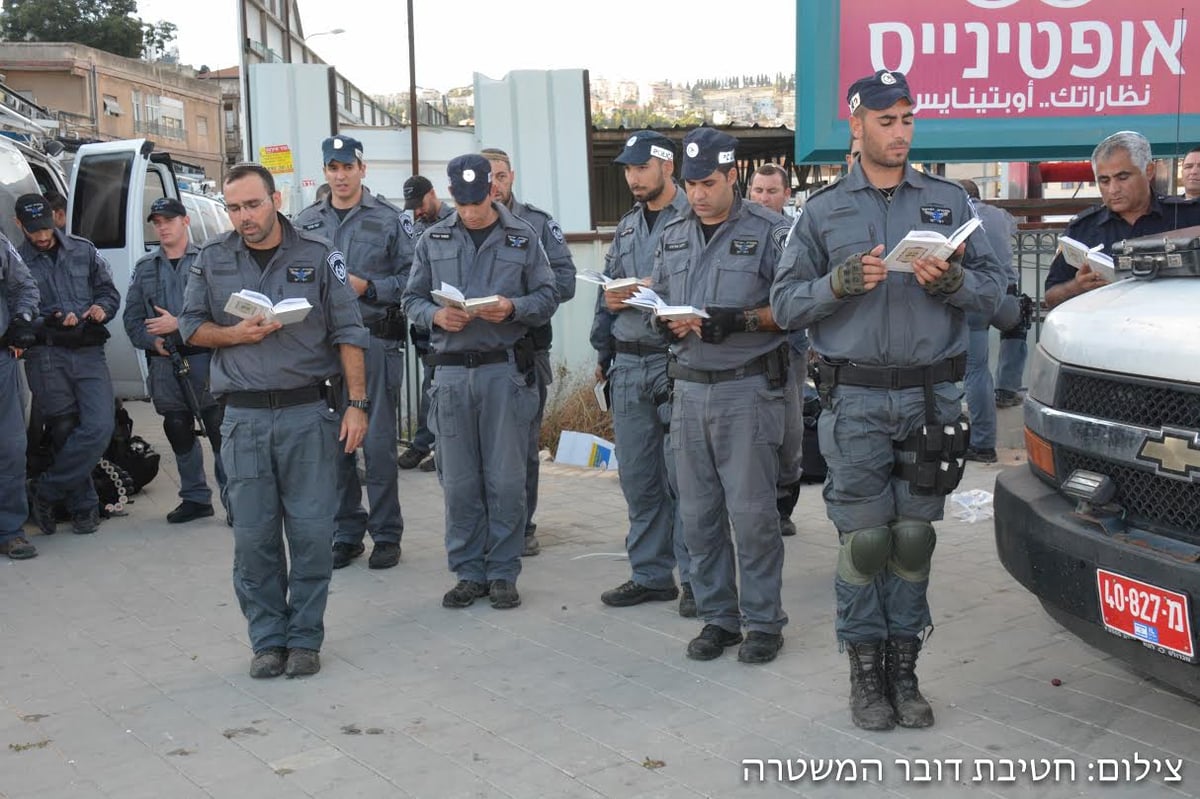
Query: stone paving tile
{"type": "Point", "coordinates": [136, 629]}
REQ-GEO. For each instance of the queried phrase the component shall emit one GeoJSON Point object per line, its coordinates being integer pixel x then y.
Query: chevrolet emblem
{"type": "Point", "coordinates": [1174, 452]}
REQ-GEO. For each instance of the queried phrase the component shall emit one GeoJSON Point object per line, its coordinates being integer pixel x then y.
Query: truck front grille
{"type": "Point", "coordinates": [1147, 403]}
{"type": "Point", "coordinates": [1167, 505]}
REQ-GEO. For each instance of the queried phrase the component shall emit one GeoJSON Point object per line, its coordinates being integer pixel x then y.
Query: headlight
{"type": "Point", "coordinates": [1043, 377]}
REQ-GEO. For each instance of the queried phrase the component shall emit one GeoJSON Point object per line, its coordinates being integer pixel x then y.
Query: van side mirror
{"type": "Point", "coordinates": [53, 148]}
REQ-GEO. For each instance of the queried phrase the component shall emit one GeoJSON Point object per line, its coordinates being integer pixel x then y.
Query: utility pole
{"type": "Point", "coordinates": [412, 90]}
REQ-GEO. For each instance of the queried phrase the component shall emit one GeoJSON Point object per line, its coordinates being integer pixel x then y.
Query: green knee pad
{"type": "Point", "coordinates": [912, 549]}
{"type": "Point", "coordinates": [864, 554]}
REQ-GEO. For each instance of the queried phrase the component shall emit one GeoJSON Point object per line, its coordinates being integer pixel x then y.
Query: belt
{"type": "Point", "coordinates": [637, 348]}
{"type": "Point", "coordinates": [382, 328]}
{"type": "Point", "coordinates": [678, 371]}
{"type": "Point", "coordinates": [184, 350]}
{"type": "Point", "coordinates": [467, 359]}
{"type": "Point", "coordinates": [274, 399]}
{"type": "Point", "coordinates": [950, 370]}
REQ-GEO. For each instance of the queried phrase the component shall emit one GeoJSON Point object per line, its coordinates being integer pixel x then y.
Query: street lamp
{"type": "Point", "coordinates": [333, 32]}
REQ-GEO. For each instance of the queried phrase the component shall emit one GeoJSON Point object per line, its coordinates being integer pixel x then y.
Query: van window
{"type": "Point", "coordinates": [195, 224]}
{"type": "Point", "coordinates": [208, 210]}
{"type": "Point", "coordinates": [101, 193]}
{"type": "Point", "coordinates": [154, 190]}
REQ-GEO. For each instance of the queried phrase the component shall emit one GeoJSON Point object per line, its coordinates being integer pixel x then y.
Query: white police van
{"type": "Point", "coordinates": [1104, 525]}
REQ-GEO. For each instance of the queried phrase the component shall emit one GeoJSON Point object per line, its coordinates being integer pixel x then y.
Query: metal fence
{"type": "Point", "coordinates": [1033, 251]}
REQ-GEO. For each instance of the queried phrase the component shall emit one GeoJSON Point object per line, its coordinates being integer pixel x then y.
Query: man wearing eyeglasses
{"type": "Point", "coordinates": [378, 251]}
{"type": "Point", "coordinates": [280, 437]}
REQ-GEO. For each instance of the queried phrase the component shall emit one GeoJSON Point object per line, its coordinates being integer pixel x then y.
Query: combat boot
{"type": "Point", "coordinates": [912, 710]}
{"type": "Point", "coordinates": [869, 707]}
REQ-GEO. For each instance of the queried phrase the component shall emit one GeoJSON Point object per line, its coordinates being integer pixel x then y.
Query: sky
{"type": "Point", "coordinates": [456, 38]}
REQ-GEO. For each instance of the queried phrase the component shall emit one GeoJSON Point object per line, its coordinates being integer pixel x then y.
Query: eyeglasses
{"type": "Point", "coordinates": [249, 205]}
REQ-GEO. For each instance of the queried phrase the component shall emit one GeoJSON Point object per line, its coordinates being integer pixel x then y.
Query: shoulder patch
{"type": "Point", "coordinates": [337, 265]}
{"type": "Point", "coordinates": [556, 232]}
{"type": "Point", "coordinates": [313, 225]}
{"type": "Point", "coordinates": [406, 224]}
{"type": "Point", "coordinates": [516, 242]}
{"type": "Point", "coordinates": [439, 234]}
{"type": "Point", "coordinates": [779, 234]}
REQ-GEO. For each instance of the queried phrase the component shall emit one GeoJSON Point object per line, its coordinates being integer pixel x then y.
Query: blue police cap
{"type": "Point", "coordinates": [470, 179]}
{"type": "Point", "coordinates": [167, 207]}
{"type": "Point", "coordinates": [34, 212]}
{"type": "Point", "coordinates": [705, 149]}
{"type": "Point", "coordinates": [341, 148]}
{"type": "Point", "coordinates": [879, 91]}
{"type": "Point", "coordinates": [644, 145]}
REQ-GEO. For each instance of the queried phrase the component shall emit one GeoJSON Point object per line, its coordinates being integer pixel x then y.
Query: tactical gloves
{"type": "Point", "coordinates": [20, 333]}
{"type": "Point", "coordinates": [847, 277]}
{"type": "Point", "coordinates": [720, 323]}
{"type": "Point", "coordinates": [948, 282]}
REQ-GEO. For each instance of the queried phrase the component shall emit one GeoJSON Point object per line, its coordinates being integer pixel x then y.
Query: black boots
{"type": "Point", "coordinates": [869, 707]}
{"type": "Point", "coordinates": [883, 685]}
{"type": "Point", "coordinates": [912, 710]}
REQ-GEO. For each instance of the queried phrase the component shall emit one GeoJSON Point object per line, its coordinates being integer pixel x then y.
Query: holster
{"type": "Point", "coordinates": [524, 357]}
{"type": "Point", "coordinates": [931, 460]}
{"type": "Point", "coordinates": [542, 336]}
{"type": "Point", "coordinates": [393, 326]}
{"type": "Point", "coordinates": [334, 393]}
{"type": "Point", "coordinates": [777, 364]}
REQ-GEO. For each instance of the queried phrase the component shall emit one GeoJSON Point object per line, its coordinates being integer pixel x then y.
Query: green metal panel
{"type": "Point", "coordinates": [821, 137]}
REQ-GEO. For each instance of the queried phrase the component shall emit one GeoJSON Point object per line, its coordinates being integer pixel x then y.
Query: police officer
{"type": "Point", "coordinates": [152, 307]}
{"type": "Point", "coordinates": [633, 357]}
{"type": "Point", "coordinates": [67, 373]}
{"type": "Point", "coordinates": [422, 202]}
{"type": "Point", "coordinates": [731, 378]}
{"type": "Point", "coordinates": [1124, 169]}
{"type": "Point", "coordinates": [378, 251]}
{"type": "Point", "coordinates": [279, 439]}
{"type": "Point", "coordinates": [551, 237]}
{"type": "Point", "coordinates": [484, 394]}
{"type": "Point", "coordinates": [18, 304]}
{"type": "Point", "coordinates": [771, 187]}
{"type": "Point", "coordinates": [892, 348]}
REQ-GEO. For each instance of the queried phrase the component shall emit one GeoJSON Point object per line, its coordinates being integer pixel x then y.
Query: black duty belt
{"type": "Point", "coordinates": [678, 371]}
{"type": "Point", "coordinates": [950, 370]}
{"type": "Point", "coordinates": [467, 359]}
{"type": "Point", "coordinates": [640, 349]}
{"type": "Point", "coordinates": [185, 351]}
{"type": "Point", "coordinates": [274, 399]}
{"type": "Point", "coordinates": [383, 328]}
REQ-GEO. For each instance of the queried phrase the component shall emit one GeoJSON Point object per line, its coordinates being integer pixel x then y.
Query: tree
{"type": "Point", "coordinates": [110, 25]}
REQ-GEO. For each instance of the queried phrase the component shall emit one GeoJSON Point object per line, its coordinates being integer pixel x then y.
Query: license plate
{"type": "Point", "coordinates": [1158, 618]}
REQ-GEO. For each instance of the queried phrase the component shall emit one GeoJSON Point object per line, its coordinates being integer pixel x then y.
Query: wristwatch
{"type": "Point", "coordinates": [362, 404]}
{"type": "Point", "coordinates": [751, 318]}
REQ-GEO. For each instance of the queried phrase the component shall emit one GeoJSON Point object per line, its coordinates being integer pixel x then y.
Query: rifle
{"type": "Point", "coordinates": [182, 369]}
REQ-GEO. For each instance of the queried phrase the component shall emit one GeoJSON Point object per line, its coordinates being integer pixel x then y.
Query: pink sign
{"type": "Point", "coordinates": [1013, 59]}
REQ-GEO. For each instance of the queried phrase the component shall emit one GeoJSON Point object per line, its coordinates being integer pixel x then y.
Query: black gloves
{"type": "Point", "coordinates": [20, 333]}
{"type": "Point", "coordinates": [720, 323]}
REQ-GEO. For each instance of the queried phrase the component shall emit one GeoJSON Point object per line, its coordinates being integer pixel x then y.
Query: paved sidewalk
{"type": "Point", "coordinates": [124, 660]}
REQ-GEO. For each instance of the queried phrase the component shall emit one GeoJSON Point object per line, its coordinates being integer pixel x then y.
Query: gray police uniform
{"type": "Point", "coordinates": [71, 387]}
{"type": "Point", "coordinates": [379, 249]}
{"type": "Point", "coordinates": [641, 397]}
{"type": "Point", "coordinates": [423, 439]}
{"type": "Point", "coordinates": [727, 421]}
{"type": "Point", "coordinates": [279, 438]}
{"type": "Point", "coordinates": [896, 326]}
{"type": "Point", "coordinates": [18, 298]}
{"type": "Point", "coordinates": [555, 244]}
{"type": "Point", "coordinates": [481, 404]}
{"type": "Point", "coordinates": [156, 280]}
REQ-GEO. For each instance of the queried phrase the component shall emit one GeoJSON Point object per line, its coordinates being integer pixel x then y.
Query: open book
{"type": "Point", "coordinates": [451, 297]}
{"type": "Point", "coordinates": [609, 283]}
{"type": "Point", "coordinates": [247, 304]}
{"type": "Point", "coordinates": [1076, 253]}
{"type": "Point", "coordinates": [918, 244]}
{"type": "Point", "coordinates": [647, 298]}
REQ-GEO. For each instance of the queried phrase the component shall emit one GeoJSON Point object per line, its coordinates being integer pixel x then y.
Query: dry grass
{"type": "Point", "coordinates": [572, 406]}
